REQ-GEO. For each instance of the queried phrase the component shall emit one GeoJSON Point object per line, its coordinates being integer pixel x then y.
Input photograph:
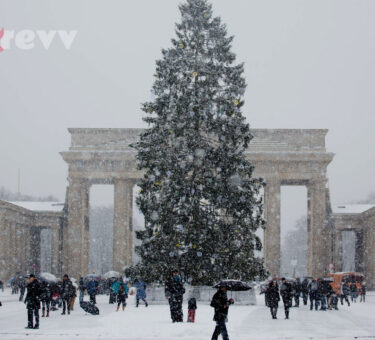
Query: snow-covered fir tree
{"type": "Point", "coordinates": [200, 202]}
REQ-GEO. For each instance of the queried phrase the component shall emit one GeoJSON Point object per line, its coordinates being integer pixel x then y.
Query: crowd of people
{"type": "Point", "coordinates": [320, 292]}
{"type": "Point", "coordinates": [47, 296]}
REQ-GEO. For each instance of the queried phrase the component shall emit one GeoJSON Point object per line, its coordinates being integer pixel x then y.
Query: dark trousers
{"type": "Point", "coordinates": [305, 297]}
{"type": "Point", "coordinates": [93, 298]}
{"type": "Point", "coordinates": [273, 312]}
{"type": "Point", "coordinates": [314, 297]}
{"type": "Point", "coordinates": [144, 300]}
{"type": "Point", "coordinates": [45, 305]}
{"type": "Point", "coordinates": [220, 328]}
{"type": "Point", "coordinates": [121, 300]}
{"type": "Point", "coordinates": [66, 304]}
{"type": "Point", "coordinates": [175, 304]}
{"type": "Point", "coordinates": [344, 297]}
{"type": "Point", "coordinates": [30, 313]}
{"type": "Point", "coordinates": [296, 300]}
{"type": "Point", "coordinates": [287, 303]}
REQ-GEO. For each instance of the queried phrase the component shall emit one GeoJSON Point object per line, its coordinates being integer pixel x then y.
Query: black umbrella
{"type": "Point", "coordinates": [234, 285]}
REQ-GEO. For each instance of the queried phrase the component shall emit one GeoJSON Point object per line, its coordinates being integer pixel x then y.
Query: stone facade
{"type": "Point", "coordinates": [103, 156]}
{"type": "Point", "coordinates": [361, 220]}
{"type": "Point", "coordinates": [20, 230]}
{"type": "Point", "coordinates": [282, 157]}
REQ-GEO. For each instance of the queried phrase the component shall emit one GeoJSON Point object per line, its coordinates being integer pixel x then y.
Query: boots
{"type": "Point", "coordinates": [123, 307]}
{"type": "Point", "coordinates": [287, 315]}
{"type": "Point", "coordinates": [146, 304]}
{"type": "Point", "coordinates": [43, 310]}
{"type": "Point", "coordinates": [47, 314]}
{"type": "Point", "coordinates": [118, 307]}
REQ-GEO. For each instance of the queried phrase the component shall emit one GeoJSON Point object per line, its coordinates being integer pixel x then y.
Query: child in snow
{"type": "Point", "coordinates": [192, 306]}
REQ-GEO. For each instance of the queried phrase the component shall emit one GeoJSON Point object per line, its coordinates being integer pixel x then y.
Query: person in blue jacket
{"type": "Point", "coordinates": [91, 290]}
{"type": "Point", "coordinates": [121, 290]}
{"type": "Point", "coordinates": [141, 291]}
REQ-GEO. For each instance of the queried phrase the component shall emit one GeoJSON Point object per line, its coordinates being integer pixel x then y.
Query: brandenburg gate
{"type": "Point", "coordinates": [280, 156]}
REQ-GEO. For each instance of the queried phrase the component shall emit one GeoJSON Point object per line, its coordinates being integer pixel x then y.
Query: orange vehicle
{"type": "Point", "coordinates": [346, 277]}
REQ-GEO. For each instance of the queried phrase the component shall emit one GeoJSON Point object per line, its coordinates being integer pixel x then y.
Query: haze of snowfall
{"type": "Point", "coordinates": [201, 204]}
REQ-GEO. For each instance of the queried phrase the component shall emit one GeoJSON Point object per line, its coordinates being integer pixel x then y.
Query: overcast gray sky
{"type": "Point", "coordinates": [308, 64]}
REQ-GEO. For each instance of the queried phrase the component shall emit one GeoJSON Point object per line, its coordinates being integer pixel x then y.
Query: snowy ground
{"type": "Point", "coordinates": [245, 322]}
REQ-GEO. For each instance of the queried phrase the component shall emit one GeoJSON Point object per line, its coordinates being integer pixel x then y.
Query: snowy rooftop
{"type": "Point", "coordinates": [351, 208]}
{"type": "Point", "coordinates": [40, 206]}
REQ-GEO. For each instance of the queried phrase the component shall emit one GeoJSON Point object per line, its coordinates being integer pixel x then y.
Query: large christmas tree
{"type": "Point", "coordinates": [200, 202]}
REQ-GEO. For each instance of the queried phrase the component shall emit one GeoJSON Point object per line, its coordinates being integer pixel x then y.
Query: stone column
{"type": "Point", "coordinates": [34, 263]}
{"type": "Point", "coordinates": [369, 253]}
{"type": "Point", "coordinates": [359, 248]}
{"type": "Point", "coordinates": [122, 224]}
{"type": "Point", "coordinates": [55, 251]}
{"type": "Point", "coordinates": [338, 251]}
{"type": "Point", "coordinates": [318, 233]}
{"type": "Point", "coordinates": [76, 235]}
{"type": "Point", "coordinates": [272, 231]}
{"type": "Point", "coordinates": [4, 251]}
{"type": "Point", "coordinates": [21, 242]}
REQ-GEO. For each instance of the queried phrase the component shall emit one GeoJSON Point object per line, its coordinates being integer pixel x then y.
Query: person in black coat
{"type": "Point", "coordinates": [305, 290]}
{"type": "Point", "coordinates": [297, 287]}
{"type": "Point", "coordinates": [174, 291]}
{"type": "Point", "coordinates": [273, 298]}
{"type": "Point", "coordinates": [286, 294]}
{"type": "Point", "coordinates": [67, 291]}
{"type": "Point", "coordinates": [45, 297]}
{"type": "Point", "coordinates": [32, 302]}
{"type": "Point", "coordinates": [22, 285]}
{"type": "Point", "coordinates": [221, 304]}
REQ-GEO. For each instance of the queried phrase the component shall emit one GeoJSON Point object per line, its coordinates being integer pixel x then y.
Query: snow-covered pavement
{"type": "Point", "coordinates": [245, 322]}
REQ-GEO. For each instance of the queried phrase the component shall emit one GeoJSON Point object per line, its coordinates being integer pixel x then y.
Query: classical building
{"type": "Point", "coordinates": [282, 157]}
{"type": "Point", "coordinates": [354, 240]}
{"type": "Point", "coordinates": [103, 156]}
{"type": "Point", "coordinates": [21, 225]}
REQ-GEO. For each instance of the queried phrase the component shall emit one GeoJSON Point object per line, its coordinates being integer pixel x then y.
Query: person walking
{"type": "Point", "coordinates": [81, 288]}
{"type": "Point", "coordinates": [73, 297]}
{"type": "Point", "coordinates": [363, 293]}
{"type": "Point", "coordinates": [121, 291]}
{"type": "Point", "coordinates": [305, 290]}
{"type": "Point", "coordinates": [22, 285]}
{"type": "Point", "coordinates": [345, 292]}
{"type": "Point", "coordinates": [221, 304]}
{"type": "Point", "coordinates": [122, 294]}
{"type": "Point", "coordinates": [286, 294]}
{"type": "Point", "coordinates": [45, 296]}
{"type": "Point", "coordinates": [353, 291]}
{"type": "Point", "coordinates": [313, 294]}
{"type": "Point", "coordinates": [322, 294]}
{"type": "Point", "coordinates": [141, 291]}
{"type": "Point", "coordinates": [273, 298]}
{"type": "Point", "coordinates": [91, 290]}
{"type": "Point", "coordinates": [32, 302]}
{"type": "Point", "coordinates": [67, 293]}
{"type": "Point", "coordinates": [174, 291]}
{"type": "Point", "coordinates": [297, 291]}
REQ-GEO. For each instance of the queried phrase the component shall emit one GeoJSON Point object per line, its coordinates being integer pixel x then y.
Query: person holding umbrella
{"type": "Point", "coordinates": [221, 304]}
